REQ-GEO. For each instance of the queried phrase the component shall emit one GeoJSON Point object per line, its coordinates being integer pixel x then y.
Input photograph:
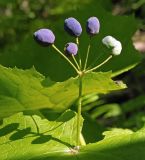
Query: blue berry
{"type": "Point", "coordinates": [71, 48]}
{"type": "Point", "coordinates": [73, 27]}
{"type": "Point", "coordinates": [93, 26]}
{"type": "Point", "coordinates": [44, 37]}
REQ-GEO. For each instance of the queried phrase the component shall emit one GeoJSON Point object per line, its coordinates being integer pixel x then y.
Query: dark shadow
{"type": "Point", "coordinates": [55, 116]}
{"type": "Point", "coordinates": [49, 114]}
{"type": "Point", "coordinates": [42, 139]}
{"type": "Point", "coordinates": [60, 141]}
{"type": "Point", "coordinates": [66, 116]}
{"type": "Point", "coordinates": [1, 122]}
{"type": "Point", "coordinates": [8, 129]}
{"type": "Point", "coordinates": [20, 134]}
{"type": "Point", "coordinates": [46, 138]}
{"type": "Point", "coordinates": [92, 131]}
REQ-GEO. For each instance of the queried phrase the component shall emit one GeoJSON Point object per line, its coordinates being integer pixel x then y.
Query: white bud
{"type": "Point", "coordinates": [111, 42]}
{"type": "Point", "coordinates": [117, 49]}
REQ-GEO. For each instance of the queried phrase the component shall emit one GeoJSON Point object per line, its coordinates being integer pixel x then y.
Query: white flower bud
{"type": "Point", "coordinates": [117, 49]}
{"type": "Point", "coordinates": [111, 42]}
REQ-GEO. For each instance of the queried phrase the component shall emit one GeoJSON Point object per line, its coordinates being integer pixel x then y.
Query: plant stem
{"type": "Point", "coordinates": [88, 51]}
{"type": "Point", "coordinates": [92, 69]}
{"type": "Point", "coordinates": [80, 61]}
{"type": "Point", "coordinates": [65, 58]}
{"type": "Point", "coordinates": [77, 41]}
{"type": "Point", "coordinates": [76, 61]}
{"type": "Point", "coordinates": [79, 110]}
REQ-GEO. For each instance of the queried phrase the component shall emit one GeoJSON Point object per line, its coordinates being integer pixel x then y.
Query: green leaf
{"type": "Point", "coordinates": [120, 144]}
{"type": "Point", "coordinates": [22, 90]}
{"type": "Point", "coordinates": [116, 132]}
{"type": "Point", "coordinates": [20, 140]}
{"type": "Point", "coordinates": [29, 136]}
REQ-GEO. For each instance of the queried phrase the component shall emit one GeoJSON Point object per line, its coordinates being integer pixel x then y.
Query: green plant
{"type": "Point", "coordinates": [45, 37]}
{"type": "Point", "coordinates": [32, 126]}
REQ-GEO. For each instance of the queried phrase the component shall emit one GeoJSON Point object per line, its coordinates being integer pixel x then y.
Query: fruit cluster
{"type": "Point", "coordinates": [46, 37]}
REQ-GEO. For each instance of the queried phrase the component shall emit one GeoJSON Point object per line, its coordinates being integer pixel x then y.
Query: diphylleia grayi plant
{"type": "Point", "coordinates": [46, 37]}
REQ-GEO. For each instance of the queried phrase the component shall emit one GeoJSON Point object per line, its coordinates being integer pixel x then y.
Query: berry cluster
{"type": "Point", "coordinates": [46, 37]}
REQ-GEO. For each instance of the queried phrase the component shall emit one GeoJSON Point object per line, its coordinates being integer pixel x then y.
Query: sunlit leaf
{"type": "Point", "coordinates": [22, 90]}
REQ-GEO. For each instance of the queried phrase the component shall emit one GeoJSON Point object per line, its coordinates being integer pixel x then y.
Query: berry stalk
{"type": "Point", "coordinates": [87, 56]}
{"type": "Point", "coordinates": [80, 61]}
{"type": "Point", "coordinates": [98, 66]}
{"type": "Point", "coordinates": [65, 58]}
{"type": "Point", "coordinates": [76, 62]}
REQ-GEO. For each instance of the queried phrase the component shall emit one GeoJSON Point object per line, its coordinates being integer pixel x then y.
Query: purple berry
{"type": "Point", "coordinates": [93, 26]}
{"type": "Point", "coordinates": [44, 37]}
{"type": "Point", "coordinates": [71, 48]}
{"type": "Point", "coordinates": [73, 27]}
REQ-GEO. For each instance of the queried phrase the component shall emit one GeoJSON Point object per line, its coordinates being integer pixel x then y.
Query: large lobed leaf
{"type": "Point", "coordinates": [118, 145]}
{"type": "Point", "coordinates": [29, 136]}
{"type": "Point", "coordinates": [28, 90]}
